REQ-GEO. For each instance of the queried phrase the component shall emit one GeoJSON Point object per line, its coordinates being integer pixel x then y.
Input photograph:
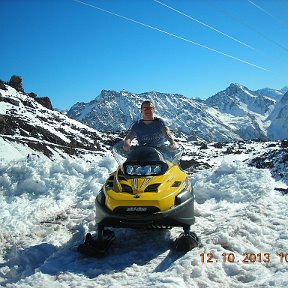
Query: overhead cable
{"type": "Point", "coordinates": [204, 24]}
{"type": "Point", "coordinates": [267, 13]}
{"type": "Point", "coordinates": [236, 18]}
{"type": "Point", "coordinates": [173, 35]}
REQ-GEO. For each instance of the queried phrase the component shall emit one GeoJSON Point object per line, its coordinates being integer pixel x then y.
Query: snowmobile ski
{"type": "Point", "coordinates": [186, 242]}
{"type": "Point", "coordinates": [97, 247]}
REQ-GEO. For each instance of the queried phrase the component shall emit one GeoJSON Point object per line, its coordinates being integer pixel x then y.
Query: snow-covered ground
{"type": "Point", "coordinates": [48, 206]}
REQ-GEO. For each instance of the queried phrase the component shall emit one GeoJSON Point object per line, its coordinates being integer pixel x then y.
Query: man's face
{"type": "Point", "coordinates": [148, 111]}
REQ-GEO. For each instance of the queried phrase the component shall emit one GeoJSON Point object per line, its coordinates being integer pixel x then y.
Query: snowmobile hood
{"type": "Point", "coordinates": [131, 186]}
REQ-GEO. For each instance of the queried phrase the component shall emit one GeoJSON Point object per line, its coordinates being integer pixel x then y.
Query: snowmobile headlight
{"type": "Point", "coordinates": [157, 169]}
{"type": "Point", "coordinates": [133, 169]}
{"type": "Point", "coordinates": [139, 170]}
{"type": "Point", "coordinates": [146, 170]}
{"type": "Point", "coordinates": [130, 169]}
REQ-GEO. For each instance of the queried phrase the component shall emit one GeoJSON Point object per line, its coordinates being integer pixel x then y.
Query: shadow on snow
{"type": "Point", "coordinates": [132, 246]}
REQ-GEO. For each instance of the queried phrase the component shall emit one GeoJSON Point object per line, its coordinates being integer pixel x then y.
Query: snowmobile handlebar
{"type": "Point", "coordinates": [170, 155]}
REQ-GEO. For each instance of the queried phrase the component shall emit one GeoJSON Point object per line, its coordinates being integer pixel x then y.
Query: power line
{"type": "Point", "coordinates": [266, 12]}
{"type": "Point", "coordinates": [204, 24]}
{"type": "Point", "coordinates": [252, 28]}
{"type": "Point", "coordinates": [173, 35]}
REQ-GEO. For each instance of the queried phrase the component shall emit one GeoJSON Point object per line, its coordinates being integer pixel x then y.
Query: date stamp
{"type": "Point", "coordinates": [245, 258]}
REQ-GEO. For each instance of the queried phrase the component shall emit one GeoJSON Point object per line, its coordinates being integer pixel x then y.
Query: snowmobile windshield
{"type": "Point", "coordinates": [146, 154]}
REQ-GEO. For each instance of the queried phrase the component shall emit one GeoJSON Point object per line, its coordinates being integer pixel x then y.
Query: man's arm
{"type": "Point", "coordinates": [127, 140]}
{"type": "Point", "coordinates": [168, 135]}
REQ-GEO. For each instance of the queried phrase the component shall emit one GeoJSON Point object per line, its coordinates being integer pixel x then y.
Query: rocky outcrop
{"type": "Point", "coordinates": [44, 101]}
{"type": "Point", "coordinates": [16, 82]}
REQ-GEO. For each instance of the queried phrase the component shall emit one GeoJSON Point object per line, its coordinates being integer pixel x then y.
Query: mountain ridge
{"type": "Point", "coordinates": [233, 114]}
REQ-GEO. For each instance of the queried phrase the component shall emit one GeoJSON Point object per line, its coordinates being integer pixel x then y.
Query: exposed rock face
{"type": "Point", "coordinates": [16, 82]}
{"type": "Point", "coordinates": [44, 101]}
{"type": "Point", "coordinates": [2, 85]}
{"type": "Point", "coordinates": [276, 160]}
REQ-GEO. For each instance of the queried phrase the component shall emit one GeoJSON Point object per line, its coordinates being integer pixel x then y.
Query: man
{"type": "Point", "coordinates": [150, 130]}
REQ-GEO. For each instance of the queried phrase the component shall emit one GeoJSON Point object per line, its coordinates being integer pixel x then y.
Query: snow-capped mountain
{"type": "Point", "coordinates": [246, 109]}
{"type": "Point", "coordinates": [272, 93]}
{"type": "Point", "coordinates": [237, 100]}
{"type": "Point", "coordinates": [233, 114]}
{"type": "Point", "coordinates": [278, 128]}
{"type": "Point", "coordinates": [114, 111]}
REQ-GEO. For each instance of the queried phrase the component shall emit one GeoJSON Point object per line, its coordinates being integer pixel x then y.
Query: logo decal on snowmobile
{"type": "Point", "coordinates": [136, 209]}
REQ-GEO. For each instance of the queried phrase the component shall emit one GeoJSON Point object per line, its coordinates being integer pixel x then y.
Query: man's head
{"type": "Point", "coordinates": [147, 110]}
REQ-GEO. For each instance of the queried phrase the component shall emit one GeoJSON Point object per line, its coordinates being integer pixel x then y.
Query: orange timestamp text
{"type": "Point", "coordinates": [244, 258]}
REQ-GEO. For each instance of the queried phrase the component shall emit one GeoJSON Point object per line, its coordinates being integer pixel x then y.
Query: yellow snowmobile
{"type": "Point", "coordinates": [148, 190]}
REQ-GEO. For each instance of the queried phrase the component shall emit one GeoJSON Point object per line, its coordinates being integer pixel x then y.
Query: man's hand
{"type": "Point", "coordinates": [126, 146]}
{"type": "Point", "coordinates": [172, 146]}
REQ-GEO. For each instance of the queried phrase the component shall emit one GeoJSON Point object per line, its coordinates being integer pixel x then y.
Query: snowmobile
{"type": "Point", "coordinates": [148, 190]}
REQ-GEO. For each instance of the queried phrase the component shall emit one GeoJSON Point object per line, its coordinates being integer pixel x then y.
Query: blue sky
{"type": "Point", "coordinates": [70, 51]}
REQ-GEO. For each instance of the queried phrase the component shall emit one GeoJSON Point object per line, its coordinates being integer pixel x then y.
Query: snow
{"type": "Point", "coordinates": [47, 206]}
{"type": "Point", "coordinates": [11, 151]}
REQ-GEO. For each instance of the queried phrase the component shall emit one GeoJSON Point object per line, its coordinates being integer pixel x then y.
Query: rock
{"type": "Point", "coordinates": [16, 83]}
{"type": "Point", "coordinates": [44, 101]}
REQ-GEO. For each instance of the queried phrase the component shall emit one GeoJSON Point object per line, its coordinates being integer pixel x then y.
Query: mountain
{"type": "Point", "coordinates": [272, 93]}
{"type": "Point", "coordinates": [24, 122]}
{"type": "Point", "coordinates": [247, 110]}
{"type": "Point", "coordinates": [278, 128]}
{"type": "Point", "coordinates": [230, 115]}
{"type": "Point", "coordinates": [233, 114]}
{"type": "Point", "coordinates": [114, 111]}
{"type": "Point", "coordinates": [238, 100]}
